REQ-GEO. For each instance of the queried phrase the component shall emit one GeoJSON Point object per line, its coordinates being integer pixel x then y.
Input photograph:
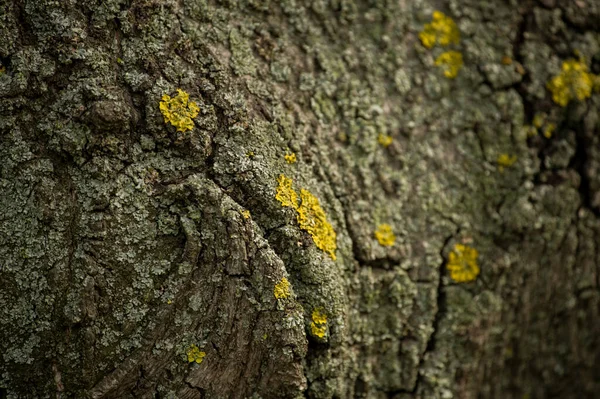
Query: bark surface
{"type": "Point", "coordinates": [126, 244]}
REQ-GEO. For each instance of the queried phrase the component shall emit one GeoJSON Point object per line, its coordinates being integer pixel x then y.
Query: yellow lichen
{"type": "Point", "coordinates": [290, 158]}
{"type": "Point", "coordinates": [194, 354]}
{"type": "Point", "coordinates": [384, 139]}
{"type": "Point", "coordinates": [549, 130]}
{"type": "Point", "coordinates": [442, 30]}
{"type": "Point", "coordinates": [313, 220]}
{"type": "Point", "coordinates": [462, 263]}
{"type": "Point", "coordinates": [179, 110]}
{"type": "Point", "coordinates": [385, 235]}
{"type": "Point", "coordinates": [282, 289]}
{"type": "Point", "coordinates": [246, 214]}
{"type": "Point", "coordinates": [530, 130]}
{"type": "Point", "coordinates": [539, 119]}
{"type": "Point", "coordinates": [285, 193]}
{"type": "Point", "coordinates": [318, 325]}
{"type": "Point", "coordinates": [451, 62]}
{"type": "Point", "coordinates": [505, 161]}
{"type": "Point", "coordinates": [506, 60]}
{"type": "Point", "coordinates": [250, 154]}
{"type": "Point", "coordinates": [574, 82]}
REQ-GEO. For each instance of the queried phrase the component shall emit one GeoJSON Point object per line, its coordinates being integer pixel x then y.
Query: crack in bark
{"type": "Point", "coordinates": [441, 308]}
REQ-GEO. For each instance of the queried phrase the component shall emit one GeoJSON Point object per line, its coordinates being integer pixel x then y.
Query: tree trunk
{"type": "Point", "coordinates": [360, 199]}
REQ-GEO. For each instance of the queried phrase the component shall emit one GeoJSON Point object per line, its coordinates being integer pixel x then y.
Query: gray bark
{"type": "Point", "coordinates": [124, 243]}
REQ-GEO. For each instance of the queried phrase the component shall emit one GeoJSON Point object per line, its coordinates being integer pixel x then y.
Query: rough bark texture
{"type": "Point", "coordinates": [123, 242]}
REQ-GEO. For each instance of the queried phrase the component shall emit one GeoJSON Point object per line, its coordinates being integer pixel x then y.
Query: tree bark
{"type": "Point", "coordinates": [141, 261]}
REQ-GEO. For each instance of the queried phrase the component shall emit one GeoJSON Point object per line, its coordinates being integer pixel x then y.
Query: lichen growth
{"type": "Point", "coordinates": [384, 140]}
{"type": "Point", "coordinates": [245, 214]}
{"type": "Point", "coordinates": [385, 235]}
{"type": "Point", "coordinates": [505, 161]}
{"type": "Point", "coordinates": [179, 110]}
{"type": "Point", "coordinates": [313, 220]}
{"type": "Point", "coordinates": [549, 130]}
{"type": "Point", "coordinates": [540, 123]}
{"type": "Point", "coordinates": [194, 354]}
{"type": "Point", "coordinates": [441, 30]}
{"type": "Point", "coordinates": [282, 289]}
{"type": "Point", "coordinates": [290, 157]}
{"type": "Point", "coordinates": [539, 119]}
{"type": "Point", "coordinates": [574, 82]}
{"type": "Point", "coordinates": [318, 325]}
{"type": "Point", "coordinates": [462, 263]}
{"type": "Point", "coordinates": [530, 130]}
{"type": "Point", "coordinates": [285, 193]}
{"type": "Point", "coordinates": [451, 62]}
{"type": "Point", "coordinates": [311, 217]}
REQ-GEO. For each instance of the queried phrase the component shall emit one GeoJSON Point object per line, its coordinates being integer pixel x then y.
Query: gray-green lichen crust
{"type": "Point", "coordinates": [123, 242]}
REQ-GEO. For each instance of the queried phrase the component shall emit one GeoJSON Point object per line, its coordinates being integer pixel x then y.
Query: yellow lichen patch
{"type": "Point", "coordinates": [385, 235]}
{"type": "Point", "coordinates": [451, 62]}
{"type": "Point", "coordinates": [179, 110]}
{"type": "Point", "coordinates": [285, 193]}
{"type": "Point", "coordinates": [250, 154]}
{"type": "Point", "coordinates": [539, 119]}
{"type": "Point", "coordinates": [246, 214]}
{"type": "Point", "coordinates": [384, 139]}
{"type": "Point", "coordinates": [574, 82]}
{"type": "Point", "coordinates": [312, 219]}
{"type": "Point", "coordinates": [530, 130]}
{"type": "Point", "coordinates": [442, 30]}
{"type": "Point", "coordinates": [282, 289]}
{"type": "Point", "coordinates": [290, 158]}
{"type": "Point", "coordinates": [318, 325]}
{"type": "Point", "coordinates": [506, 60]}
{"type": "Point", "coordinates": [549, 130]}
{"type": "Point", "coordinates": [194, 354]}
{"type": "Point", "coordinates": [462, 263]}
{"type": "Point", "coordinates": [2, 69]}
{"type": "Point", "coordinates": [505, 161]}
